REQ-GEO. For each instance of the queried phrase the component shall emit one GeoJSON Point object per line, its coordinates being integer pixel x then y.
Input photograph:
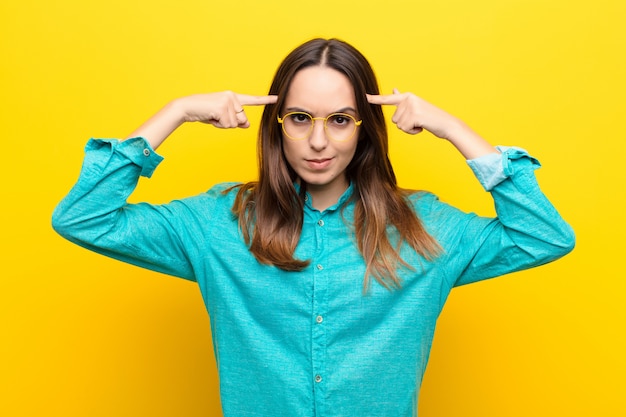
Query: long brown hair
{"type": "Point", "coordinates": [270, 210]}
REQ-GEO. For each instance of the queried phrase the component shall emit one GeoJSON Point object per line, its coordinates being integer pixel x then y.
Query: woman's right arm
{"type": "Point", "coordinates": [95, 213]}
{"type": "Point", "coordinates": [223, 110]}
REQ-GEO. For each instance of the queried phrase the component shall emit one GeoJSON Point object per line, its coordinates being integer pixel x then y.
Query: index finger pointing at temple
{"type": "Point", "coordinates": [389, 99]}
{"type": "Point", "coordinates": [247, 100]}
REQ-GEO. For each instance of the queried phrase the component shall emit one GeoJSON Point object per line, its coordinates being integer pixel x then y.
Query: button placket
{"type": "Point", "coordinates": [320, 284]}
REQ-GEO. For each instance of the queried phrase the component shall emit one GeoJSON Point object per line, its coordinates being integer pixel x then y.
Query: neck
{"type": "Point", "coordinates": [324, 196]}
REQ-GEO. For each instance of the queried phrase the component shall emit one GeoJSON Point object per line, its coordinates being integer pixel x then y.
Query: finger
{"type": "Point", "coordinates": [409, 126]}
{"type": "Point", "coordinates": [230, 122]}
{"type": "Point", "coordinates": [242, 119]}
{"type": "Point", "coordinates": [229, 119]}
{"type": "Point", "coordinates": [400, 110]}
{"type": "Point", "coordinates": [386, 99]}
{"type": "Point", "coordinates": [248, 100]}
{"type": "Point", "coordinates": [383, 100]}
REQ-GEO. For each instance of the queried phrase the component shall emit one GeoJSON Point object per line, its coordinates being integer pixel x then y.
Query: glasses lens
{"type": "Point", "coordinates": [297, 125]}
{"type": "Point", "coordinates": [340, 126]}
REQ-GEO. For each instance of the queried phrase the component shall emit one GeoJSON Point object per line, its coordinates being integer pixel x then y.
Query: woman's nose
{"type": "Point", "coordinates": [318, 139]}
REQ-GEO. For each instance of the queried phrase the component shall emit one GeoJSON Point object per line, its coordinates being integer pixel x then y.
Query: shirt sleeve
{"type": "Point", "coordinates": [527, 231]}
{"type": "Point", "coordinates": [95, 213]}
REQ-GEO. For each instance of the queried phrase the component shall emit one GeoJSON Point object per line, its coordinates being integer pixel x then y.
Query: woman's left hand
{"type": "Point", "coordinates": [414, 114]}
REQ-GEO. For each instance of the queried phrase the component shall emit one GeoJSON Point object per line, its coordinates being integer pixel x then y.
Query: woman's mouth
{"type": "Point", "coordinates": [318, 163]}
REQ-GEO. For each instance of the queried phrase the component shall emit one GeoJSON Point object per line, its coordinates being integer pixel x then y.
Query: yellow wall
{"type": "Point", "coordinates": [83, 335]}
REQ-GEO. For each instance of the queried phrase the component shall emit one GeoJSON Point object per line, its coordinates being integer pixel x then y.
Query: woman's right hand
{"type": "Point", "coordinates": [223, 110]}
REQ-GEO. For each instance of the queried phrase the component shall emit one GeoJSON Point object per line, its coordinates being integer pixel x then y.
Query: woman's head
{"type": "Point", "coordinates": [371, 150]}
{"type": "Point", "coordinates": [271, 213]}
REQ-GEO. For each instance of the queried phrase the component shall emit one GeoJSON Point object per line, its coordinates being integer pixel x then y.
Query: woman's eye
{"type": "Point", "coordinates": [300, 118]}
{"type": "Point", "coordinates": [340, 120]}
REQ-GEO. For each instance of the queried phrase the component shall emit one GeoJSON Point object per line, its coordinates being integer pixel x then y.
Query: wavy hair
{"type": "Point", "coordinates": [270, 210]}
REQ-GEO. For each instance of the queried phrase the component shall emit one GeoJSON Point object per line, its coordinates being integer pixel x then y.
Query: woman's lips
{"type": "Point", "coordinates": [319, 163]}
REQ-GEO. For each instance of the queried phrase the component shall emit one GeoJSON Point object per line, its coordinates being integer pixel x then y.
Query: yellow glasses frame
{"type": "Point", "coordinates": [281, 120]}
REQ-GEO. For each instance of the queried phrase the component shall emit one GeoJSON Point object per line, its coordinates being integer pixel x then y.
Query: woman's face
{"type": "Point", "coordinates": [317, 159]}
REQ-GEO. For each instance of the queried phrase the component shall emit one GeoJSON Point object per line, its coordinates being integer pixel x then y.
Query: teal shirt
{"type": "Point", "coordinates": [310, 343]}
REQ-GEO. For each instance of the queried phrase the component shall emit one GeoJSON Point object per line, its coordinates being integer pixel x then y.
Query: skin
{"type": "Point", "coordinates": [319, 91]}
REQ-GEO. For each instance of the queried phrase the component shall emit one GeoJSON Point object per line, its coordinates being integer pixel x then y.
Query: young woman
{"type": "Point", "coordinates": [323, 279]}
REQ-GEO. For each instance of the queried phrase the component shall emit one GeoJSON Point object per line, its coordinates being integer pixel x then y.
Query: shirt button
{"type": "Point", "coordinates": [318, 378]}
{"type": "Point", "coordinates": [321, 222]}
{"type": "Point", "coordinates": [319, 267]}
{"type": "Point", "coordinates": [146, 152]}
{"type": "Point", "coordinates": [319, 319]}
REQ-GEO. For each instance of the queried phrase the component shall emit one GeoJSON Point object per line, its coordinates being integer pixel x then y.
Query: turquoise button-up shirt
{"type": "Point", "coordinates": [310, 343]}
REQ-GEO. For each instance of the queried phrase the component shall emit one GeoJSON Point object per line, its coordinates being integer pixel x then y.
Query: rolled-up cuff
{"type": "Point", "coordinates": [137, 150]}
{"type": "Point", "coordinates": [493, 168]}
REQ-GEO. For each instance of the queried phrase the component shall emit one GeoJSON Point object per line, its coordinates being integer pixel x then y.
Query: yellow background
{"type": "Point", "coordinates": [83, 335]}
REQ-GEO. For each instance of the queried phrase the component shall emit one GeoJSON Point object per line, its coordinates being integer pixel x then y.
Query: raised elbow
{"type": "Point", "coordinates": [567, 242]}
{"type": "Point", "coordinates": [60, 221]}
{"type": "Point", "coordinates": [558, 243]}
{"type": "Point", "coordinates": [64, 221]}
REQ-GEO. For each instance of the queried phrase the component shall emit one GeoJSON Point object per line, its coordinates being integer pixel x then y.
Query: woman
{"type": "Point", "coordinates": [285, 264]}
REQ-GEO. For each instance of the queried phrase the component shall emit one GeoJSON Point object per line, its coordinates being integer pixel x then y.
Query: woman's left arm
{"type": "Point", "coordinates": [528, 230]}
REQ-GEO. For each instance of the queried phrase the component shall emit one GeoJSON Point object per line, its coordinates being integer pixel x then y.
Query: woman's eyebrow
{"type": "Point", "coordinates": [342, 110]}
{"type": "Point", "coordinates": [346, 110]}
{"type": "Point", "coordinates": [290, 109]}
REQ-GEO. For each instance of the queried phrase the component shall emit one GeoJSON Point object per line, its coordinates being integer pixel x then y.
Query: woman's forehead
{"type": "Point", "coordinates": [320, 89]}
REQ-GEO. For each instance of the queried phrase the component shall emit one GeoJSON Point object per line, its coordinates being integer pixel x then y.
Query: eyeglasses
{"type": "Point", "coordinates": [339, 127]}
